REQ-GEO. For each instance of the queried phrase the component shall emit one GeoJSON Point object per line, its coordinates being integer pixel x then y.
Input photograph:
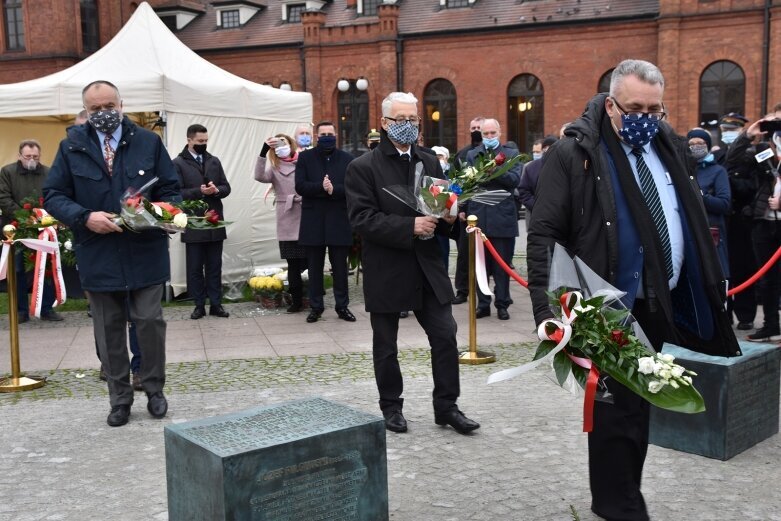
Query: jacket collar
{"type": "Point", "coordinates": [84, 135]}
{"type": "Point", "coordinates": [389, 149]}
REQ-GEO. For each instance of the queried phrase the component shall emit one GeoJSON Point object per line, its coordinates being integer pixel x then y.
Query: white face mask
{"type": "Point", "coordinates": [30, 164]}
{"type": "Point", "coordinates": [282, 151]}
{"type": "Point", "coordinates": [445, 166]}
{"type": "Point", "coordinates": [728, 136]}
{"type": "Point", "coordinates": [536, 155]}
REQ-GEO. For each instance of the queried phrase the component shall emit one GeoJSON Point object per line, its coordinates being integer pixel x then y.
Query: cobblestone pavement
{"type": "Point", "coordinates": [61, 461]}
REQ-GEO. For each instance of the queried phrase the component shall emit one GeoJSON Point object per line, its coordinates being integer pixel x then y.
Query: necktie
{"type": "Point", "coordinates": [108, 153]}
{"type": "Point", "coordinates": [651, 196]}
{"type": "Point", "coordinates": [200, 160]}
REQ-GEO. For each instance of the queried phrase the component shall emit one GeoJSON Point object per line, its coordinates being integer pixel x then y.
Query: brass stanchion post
{"type": "Point", "coordinates": [473, 356]}
{"type": "Point", "coordinates": [16, 382]}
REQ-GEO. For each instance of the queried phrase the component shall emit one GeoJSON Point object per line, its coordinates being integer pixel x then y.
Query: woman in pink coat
{"type": "Point", "coordinates": [277, 165]}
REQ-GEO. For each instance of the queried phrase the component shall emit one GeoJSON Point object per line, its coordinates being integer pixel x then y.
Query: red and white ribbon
{"type": "Point", "coordinates": [47, 234]}
{"type": "Point", "coordinates": [480, 273]}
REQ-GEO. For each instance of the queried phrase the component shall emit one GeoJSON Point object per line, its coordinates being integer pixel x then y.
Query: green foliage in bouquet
{"type": "Point", "coordinates": [28, 226]}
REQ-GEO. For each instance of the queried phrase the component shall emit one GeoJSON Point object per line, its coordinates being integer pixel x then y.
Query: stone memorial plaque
{"type": "Point", "coordinates": [741, 400]}
{"type": "Point", "coordinates": [311, 459]}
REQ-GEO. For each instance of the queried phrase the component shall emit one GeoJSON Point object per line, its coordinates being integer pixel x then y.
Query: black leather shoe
{"type": "Point", "coordinates": [482, 313]}
{"type": "Point", "coordinates": [502, 314]}
{"type": "Point", "coordinates": [345, 314]}
{"type": "Point", "coordinates": [198, 312]}
{"type": "Point", "coordinates": [23, 318]}
{"type": "Point", "coordinates": [403, 314]}
{"type": "Point", "coordinates": [137, 382]}
{"type": "Point", "coordinates": [157, 405]}
{"type": "Point", "coordinates": [218, 311]}
{"type": "Point", "coordinates": [460, 299]}
{"type": "Point", "coordinates": [294, 308]}
{"type": "Point", "coordinates": [118, 416]}
{"type": "Point", "coordinates": [52, 316]}
{"type": "Point", "coordinates": [457, 420]}
{"type": "Point", "coordinates": [395, 422]}
{"type": "Point", "coordinates": [102, 374]}
{"type": "Point", "coordinates": [314, 315]}
{"type": "Point", "coordinates": [745, 326]}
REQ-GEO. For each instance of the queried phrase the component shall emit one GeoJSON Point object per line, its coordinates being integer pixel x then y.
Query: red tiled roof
{"type": "Point", "coordinates": [415, 17]}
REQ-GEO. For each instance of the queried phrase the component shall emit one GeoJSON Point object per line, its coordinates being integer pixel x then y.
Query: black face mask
{"type": "Point", "coordinates": [373, 145]}
{"type": "Point", "coordinates": [477, 137]}
{"type": "Point", "coordinates": [200, 149]}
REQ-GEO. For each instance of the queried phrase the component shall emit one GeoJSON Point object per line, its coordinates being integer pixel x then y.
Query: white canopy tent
{"type": "Point", "coordinates": [155, 71]}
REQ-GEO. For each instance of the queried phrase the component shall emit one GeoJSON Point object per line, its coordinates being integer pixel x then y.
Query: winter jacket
{"type": "Point", "coordinates": [288, 203]}
{"type": "Point", "coordinates": [717, 199]}
{"type": "Point", "coordinates": [191, 176]}
{"type": "Point", "coordinates": [323, 216]}
{"type": "Point", "coordinates": [17, 184]}
{"type": "Point", "coordinates": [394, 260]}
{"type": "Point", "coordinates": [79, 184]}
{"type": "Point", "coordinates": [577, 206]}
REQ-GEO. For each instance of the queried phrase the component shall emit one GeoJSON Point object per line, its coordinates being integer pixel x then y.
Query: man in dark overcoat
{"type": "Point", "coordinates": [203, 179]}
{"type": "Point", "coordinates": [402, 270]}
{"type": "Point", "coordinates": [617, 193]}
{"type": "Point", "coordinates": [320, 173]}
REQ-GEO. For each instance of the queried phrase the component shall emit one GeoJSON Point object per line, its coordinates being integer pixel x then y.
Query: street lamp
{"type": "Point", "coordinates": [343, 85]}
{"type": "Point", "coordinates": [361, 83]}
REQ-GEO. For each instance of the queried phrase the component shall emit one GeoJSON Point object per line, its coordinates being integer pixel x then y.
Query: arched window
{"type": "Point", "coordinates": [722, 90]}
{"type": "Point", "coordinates": [353, 119]}
{"type": "Point", "coordinates": [90, 36]}
{"type": "Point", "coordinates": [525, 111]}
{"type": "Point", "coordinates": [604, 82]}
{"type": "Point", "coordinates": [439, 119]}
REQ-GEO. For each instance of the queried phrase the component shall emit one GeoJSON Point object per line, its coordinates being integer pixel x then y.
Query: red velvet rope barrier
{"type": "Point", "coordinates": [757, 275]}
{"type": "Point", "coordinates": [505, 267]}
{"type": "Point", "coordinates": [737, 289]}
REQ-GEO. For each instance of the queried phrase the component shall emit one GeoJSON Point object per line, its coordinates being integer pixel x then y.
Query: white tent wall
{"type": "Point", "coordinates": [252, 236]}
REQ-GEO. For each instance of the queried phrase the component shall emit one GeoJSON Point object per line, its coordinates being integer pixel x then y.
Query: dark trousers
{"type": "Point", "coordinates": [135, 361]}
{"type": "Point", "coordinates": [462, 260]}
{"type": "Point", "coordinates": [47, 299]}
{"type": "Point", "coordinates": [294, 282]}
{"type": "Point", "coordinates": [440, 327]}
{"type": "Point", "coordinates": [204, 272]}
{"type": "Point", "coordinates": [337, 255]}
{"type": "Point", "coordinates": [618, 444]}
{"type": "Point", "coordinates": [742, 265]}
{"type": "Point", "coordinates": [110, 312]}
{"type": "Point", "coordinates": [767, 237]}
{"type": "Point", "coordinates": [504, 247]}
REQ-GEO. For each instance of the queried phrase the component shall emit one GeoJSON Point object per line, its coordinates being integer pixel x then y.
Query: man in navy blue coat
{"type": "Point", "coordinates": [499, 222]}
{"type": "Point", "coordinates": [320, 175]}
{"type": "Point", "coordinates": [124, 272]}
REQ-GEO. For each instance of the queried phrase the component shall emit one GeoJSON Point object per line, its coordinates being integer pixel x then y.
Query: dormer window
{"type": "Point", "coordinates": [368, 7]}
{"type": "Point", "coordinates": [178, 15]}
{"type": "Point", "coordinates": [449, 4]}
{"type": "Point", "coordinates": [235, 13]}
{"type": "Point", "coordinates": [294, 13]}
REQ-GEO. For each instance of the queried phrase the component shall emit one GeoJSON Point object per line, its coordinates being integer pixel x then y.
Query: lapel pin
{"type": "Point", "coordinates": [140, 172]}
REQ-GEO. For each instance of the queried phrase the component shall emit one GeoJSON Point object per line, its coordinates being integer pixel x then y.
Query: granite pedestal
{"type": "Point", "coordinates": [310, 459]}
{"type": "Point", "coordinates": [741, 401]}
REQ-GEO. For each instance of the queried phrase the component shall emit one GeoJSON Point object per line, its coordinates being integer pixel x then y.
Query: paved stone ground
{"type": "Point", "coordinates": [61, 461]}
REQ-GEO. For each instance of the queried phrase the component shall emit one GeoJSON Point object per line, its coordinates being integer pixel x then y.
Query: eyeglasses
{"type": "Point", "coordinates": [635, 116]}
{"type": "Point", "coordinates": [413, 120]}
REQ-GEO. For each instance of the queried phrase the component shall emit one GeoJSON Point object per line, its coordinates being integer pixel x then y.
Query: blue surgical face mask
{"type": "Point", "coordinates": [536, 155]}
{"type": "Point", "coordinates": [490, 142]}
{"type": "Point", "coordinates": [403, 133]}
{"type": "Point", "coordinates": [326, 142]}
{"type": "Point", "coordinates": [728, 136]}
{"type": "Point", "coordinates": [639, 132]}
{"type": "Point", "coordinates": [304, 140]}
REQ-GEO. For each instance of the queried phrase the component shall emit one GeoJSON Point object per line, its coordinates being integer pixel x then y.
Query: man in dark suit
{"type": "Point", "coordinates": [402, 270]}
{"type": "Point", "coordinates": [499, 222]}
{"type": "Point", "coordinates": [203, 179]}
{"type": "Point", "coordinates": [320, 175]}
{"type": "Point", "coordinates": [616, 192]}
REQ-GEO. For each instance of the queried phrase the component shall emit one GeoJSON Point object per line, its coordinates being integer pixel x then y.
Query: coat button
{"type": "Point", "coordinates": [637, 275]}
{"type": "Point", "coordinates": [640, 249]}
{"type": "Point", "coordinates": [607, 223]}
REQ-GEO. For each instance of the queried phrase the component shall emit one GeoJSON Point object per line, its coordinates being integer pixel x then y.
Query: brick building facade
{"type": "Point", "coordinates": [533, 64]}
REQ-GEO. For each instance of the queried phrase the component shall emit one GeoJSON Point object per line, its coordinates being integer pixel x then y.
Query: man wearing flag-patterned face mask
{"type": "Point", "coordinates": [616, 192]}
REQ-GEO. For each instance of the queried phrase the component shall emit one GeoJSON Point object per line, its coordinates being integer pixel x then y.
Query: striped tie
{"type": "Point", "coordinates": [651, 196]}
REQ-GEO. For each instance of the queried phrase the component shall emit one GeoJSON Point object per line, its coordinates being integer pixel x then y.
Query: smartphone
{"type": "Point", "coordinates": [770, 126]}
